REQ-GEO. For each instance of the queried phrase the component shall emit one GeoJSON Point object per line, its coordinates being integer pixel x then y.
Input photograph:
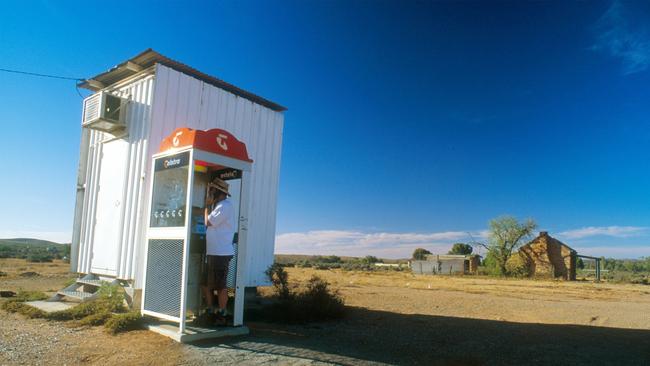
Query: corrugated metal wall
{"type": "Point", "coordinates": [138, 118]}
{"type": "Point", "coordinates": [442, 266]}
{"type": "Point", "coordinates": [182, 101]}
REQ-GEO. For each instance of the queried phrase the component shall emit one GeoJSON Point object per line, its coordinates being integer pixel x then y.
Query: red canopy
{"type": "Point", "coordinates": [215, 141]}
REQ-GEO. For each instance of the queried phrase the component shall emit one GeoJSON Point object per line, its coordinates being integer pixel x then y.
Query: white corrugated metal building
{"type": "Point", "coordinates": [114, 171]}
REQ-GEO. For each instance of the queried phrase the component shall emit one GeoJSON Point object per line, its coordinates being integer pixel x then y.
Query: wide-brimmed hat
{"type": "Point", "coordinates": [220, 185]}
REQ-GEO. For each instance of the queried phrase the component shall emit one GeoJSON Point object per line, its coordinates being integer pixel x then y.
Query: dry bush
{"type": "Point", "coordinates": [518, 266]}
{"type": "Point", "coordinates": [280, 280]}
{"type": "Point", "coordinates": [316, 302]}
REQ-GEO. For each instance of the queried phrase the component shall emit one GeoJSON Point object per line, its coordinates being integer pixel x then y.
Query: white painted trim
{"type": "Point", "coordinates": [242, 248]}
{"type": "Point", "coordinates": [159, 315]}
{"type": "Point", "coordinates": [186, 242]}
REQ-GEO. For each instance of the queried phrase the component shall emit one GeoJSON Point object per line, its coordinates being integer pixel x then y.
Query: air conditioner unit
{"type": "Point", "coordinates": [104, 112]}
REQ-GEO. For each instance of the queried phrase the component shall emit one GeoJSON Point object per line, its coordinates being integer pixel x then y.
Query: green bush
{"type": "Point", "coordinates": [124, 322]}
{"type": "Point", "coordinates": [17, 306]}
{"type": "Point", "coordinates": [39, 258]}
{"type": "Point", "coordinates": [95, 319]}
{"type": "Point", "coordinates": [30, 296]}
{"type": "Point", "coordinates": [79, 311]}
{"type": "Point", "coordinates": [110, 300]}
{"type": "Point", "coordinates": [358, 265]}
{"type": "Point", "coordinates": [97, 312]}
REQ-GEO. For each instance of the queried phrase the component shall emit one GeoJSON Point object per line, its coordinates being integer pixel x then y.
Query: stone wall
{"type": "Point", "coordinates": [548, 257]}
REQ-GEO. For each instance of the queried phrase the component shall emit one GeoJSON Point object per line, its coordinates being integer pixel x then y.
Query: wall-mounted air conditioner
{"type": "Point", "coordinates": [104, 112]}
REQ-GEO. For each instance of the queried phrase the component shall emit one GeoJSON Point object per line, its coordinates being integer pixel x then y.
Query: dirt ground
{"type": "Point", "coordinates": [393, 318]}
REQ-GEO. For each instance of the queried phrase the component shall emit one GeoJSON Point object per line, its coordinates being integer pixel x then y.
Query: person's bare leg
{"type": "Point", "coordinates": [208, 293]}
{"type": "Point", "coordinates": [222, 296]}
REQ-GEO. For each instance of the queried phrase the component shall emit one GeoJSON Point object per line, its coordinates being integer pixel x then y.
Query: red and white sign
{"type": "Point", "coordinates": [215, 141]}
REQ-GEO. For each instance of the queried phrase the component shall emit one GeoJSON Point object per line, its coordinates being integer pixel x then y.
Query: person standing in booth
{"type": "Point", "coordinates": [220, 223]}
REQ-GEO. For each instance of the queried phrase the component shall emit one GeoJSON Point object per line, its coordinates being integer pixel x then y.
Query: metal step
{"type": "Point", "coordinates": [79, 295]}
{"type": "Point", "coordinates": [96, 283]}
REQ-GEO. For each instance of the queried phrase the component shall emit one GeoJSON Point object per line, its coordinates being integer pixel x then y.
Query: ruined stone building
{"type": "Point", "coordinates": [546, 256]}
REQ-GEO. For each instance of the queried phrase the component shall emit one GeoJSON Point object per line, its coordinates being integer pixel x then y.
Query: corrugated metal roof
{"type": "Point", "coordinates": [149, 58]}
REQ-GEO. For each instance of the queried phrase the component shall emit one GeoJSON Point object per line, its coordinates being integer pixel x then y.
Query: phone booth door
{"type": "Point", "coordinates": [167, 245]}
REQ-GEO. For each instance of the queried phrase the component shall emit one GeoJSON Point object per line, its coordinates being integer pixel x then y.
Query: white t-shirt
{"type": "Point", "coordinates": [219, 234]}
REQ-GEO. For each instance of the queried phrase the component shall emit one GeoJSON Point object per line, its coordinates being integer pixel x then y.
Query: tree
{"type": "Point", "coordinates": [370, 259]}
{"type": "Point", "coordinates": [506, 234]}
{"type": "Point", "coordinates": [420, 254]}
{"type": "Point", "coordinates": [461, 249]}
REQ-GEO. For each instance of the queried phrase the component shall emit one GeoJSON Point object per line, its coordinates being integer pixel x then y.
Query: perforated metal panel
{"type": "Point", "coordinates": [232, 270]}
{"type": "Point", "coordinates": [164, 276]}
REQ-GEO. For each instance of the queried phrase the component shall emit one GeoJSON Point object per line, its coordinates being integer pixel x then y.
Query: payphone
{"type": "Point", "coordinates": [175, 252]}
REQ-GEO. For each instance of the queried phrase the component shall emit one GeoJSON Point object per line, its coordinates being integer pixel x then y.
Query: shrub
{"type": "Point", "coordinates": [112, 297]}
{"type": "Point", "coordinates": [304, 264]}
{"type": "Point", "coordinates": [317, 302]}
{"type": "Point", "coordinates": [79, 311]}
{"type": "Point", "coordinates": [95, 319]}
{"type": "Point", "coordinates": [280, 280]}
{"type": "Point", "coordinates": [490, 265]}
{"type": "Point", "coordinates": [358, 265]}
{"type": "Point", "coordinates": [110, 300]}
{"type": "Point", "coordinates": [30, 296]}
{"type": "Point", "coordinates": [518, 266]}
{"type": "Point", "coordinates": [39, 258]}
{"type": "Point", "coordinates": [124, 322]}
{"type": "Point", "coordinates": [17, 306]}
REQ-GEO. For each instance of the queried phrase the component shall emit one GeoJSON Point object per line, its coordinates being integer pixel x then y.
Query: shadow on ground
{"type": "Point", "coordinates": [369, 337]}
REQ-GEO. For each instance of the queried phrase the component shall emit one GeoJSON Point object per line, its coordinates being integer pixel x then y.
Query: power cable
{"type": "Point", "coordinates": [41, 75]}
{"type": "Point", "coordinates": [46, 76]}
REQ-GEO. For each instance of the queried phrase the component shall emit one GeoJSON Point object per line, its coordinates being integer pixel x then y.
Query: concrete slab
{"type": "Point", "coordinates": [50, 306]}
{"type": "Point", "coordinates": [193, 333]}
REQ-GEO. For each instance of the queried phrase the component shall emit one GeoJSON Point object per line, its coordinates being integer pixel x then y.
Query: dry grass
{"type": "Point", "coordinates": [511, 287]}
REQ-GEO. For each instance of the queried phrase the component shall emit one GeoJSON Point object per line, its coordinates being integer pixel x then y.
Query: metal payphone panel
{"type": "Point", "coordinates": [165, 277]}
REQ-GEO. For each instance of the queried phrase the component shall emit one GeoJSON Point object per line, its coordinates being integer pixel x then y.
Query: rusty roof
{"type": "Point", "coordinates": [149, 58]}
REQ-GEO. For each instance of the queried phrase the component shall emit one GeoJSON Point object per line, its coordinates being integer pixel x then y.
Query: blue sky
{"type": "Point", "coordinates": [409, 124]}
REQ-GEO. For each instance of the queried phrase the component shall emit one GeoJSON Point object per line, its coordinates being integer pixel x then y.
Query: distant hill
{"type": "Point", "coordinates": [34, 250]}
{"type": "Point", "coordinates": [30, 242]}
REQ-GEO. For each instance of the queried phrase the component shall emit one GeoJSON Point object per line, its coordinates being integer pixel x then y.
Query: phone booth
{"type": "Point", "coordinates": [175, 252]}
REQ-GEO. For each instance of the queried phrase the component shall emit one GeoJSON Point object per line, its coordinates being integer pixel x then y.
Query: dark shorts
{"type": "Point", "coordinates": [216, 271]}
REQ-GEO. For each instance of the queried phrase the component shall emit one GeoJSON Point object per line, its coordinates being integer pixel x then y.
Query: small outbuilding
{"type": "Point", "coordinates": [446, 264]}
{"type": "Point", "coordinates": [546, 256]}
